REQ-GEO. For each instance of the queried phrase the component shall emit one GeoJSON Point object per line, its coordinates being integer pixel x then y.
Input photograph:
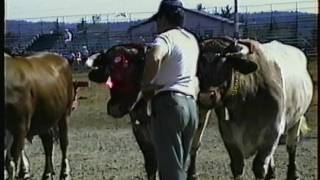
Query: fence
{"type": "Point", "coordinates": [287, 22]}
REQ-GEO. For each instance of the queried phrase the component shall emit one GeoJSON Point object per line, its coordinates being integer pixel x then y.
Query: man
{"type": "Point", "coordinates": [67, 37]}
{"type": "Point", "coordinates": [170, 81]}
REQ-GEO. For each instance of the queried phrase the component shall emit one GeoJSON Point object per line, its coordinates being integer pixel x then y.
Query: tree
{"type": "Point", "coordinates": [226, 12]}
{"type": "Point", "coordinates": [82, 26]}
{"type": "Point", "coordinates": [96, 19]}
{"type": "Point", "coordinates": [200, 7]}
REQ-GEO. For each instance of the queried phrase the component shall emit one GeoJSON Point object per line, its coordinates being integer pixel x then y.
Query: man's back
{"type": "Point", "coordinates": [178, 70]}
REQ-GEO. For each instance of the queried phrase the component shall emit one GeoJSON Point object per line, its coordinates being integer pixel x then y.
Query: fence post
{"type": "Point", "coordinates": [19, 28]}
{"type": "Point", "coordinates": [41, 26]}
{"type": "Point", "coordinates": [236, 20]}
{"type": "Point", "coordinates": [271, 17]}
{"type": "Point", "coordinates": [296, 25]}
{"type": "Point", "coordinates": [108, 29]}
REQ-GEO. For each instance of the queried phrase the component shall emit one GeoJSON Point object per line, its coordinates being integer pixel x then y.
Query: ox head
{"type": "Point", "coordinates": [219, 59]}
{"type": "Point", "coordinates": [121, 69]}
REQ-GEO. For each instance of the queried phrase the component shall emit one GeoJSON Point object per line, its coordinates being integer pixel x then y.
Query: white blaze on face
{"type": "Point", "coordinates": [244, 50]}
{"type": "Point", "coordinates": [91, 59]}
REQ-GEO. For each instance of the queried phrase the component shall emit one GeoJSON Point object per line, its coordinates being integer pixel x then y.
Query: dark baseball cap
{"type": "Point", "coordinates": [166, 6]}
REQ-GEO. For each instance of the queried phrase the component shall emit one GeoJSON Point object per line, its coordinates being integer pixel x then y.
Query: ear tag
{"type": "Point", "coordinates": [125, 63]}
{"type": "Point", "coordinates": [109, 83]}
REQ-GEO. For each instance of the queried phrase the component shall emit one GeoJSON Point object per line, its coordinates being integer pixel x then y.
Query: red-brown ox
{"type": "Point", "coordinates": [124, 64]}
{"type": "Point", "coordinates": [39, 95]}
{"type": "Point", "coordinates": [258, 94]}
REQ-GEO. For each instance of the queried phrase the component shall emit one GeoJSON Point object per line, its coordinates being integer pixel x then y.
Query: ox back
{"type": "Point", "coordinates": [297, 83]}
{"type": "Point", "coordinates": [38, 87]}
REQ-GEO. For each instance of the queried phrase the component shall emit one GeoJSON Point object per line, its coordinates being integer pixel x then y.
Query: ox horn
{"type": "Point", "coordinates": [236, 53]}
{"type": "Point", "coordinates": [236, 50]}
{"type": "Point", "coordinates": [128, 50]}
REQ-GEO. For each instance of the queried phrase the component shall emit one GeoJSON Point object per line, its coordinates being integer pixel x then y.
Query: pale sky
{"type": "Point", "coordinates": [17, 9]}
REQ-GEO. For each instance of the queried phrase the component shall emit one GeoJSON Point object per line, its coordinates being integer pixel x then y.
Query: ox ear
{"type": "Point", "coordinates": [98, 76]}
{"type": "Point", "coordinates": [90, 60]}
{"type": "Point", "coordinates": [244, 66]}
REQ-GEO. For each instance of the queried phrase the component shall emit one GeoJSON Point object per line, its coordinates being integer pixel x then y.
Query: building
{"type": "Point", "coordinates": [203, 24]}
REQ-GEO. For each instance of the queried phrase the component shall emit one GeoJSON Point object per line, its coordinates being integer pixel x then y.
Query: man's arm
{"type": "Point", "coordinates": [154, 58]}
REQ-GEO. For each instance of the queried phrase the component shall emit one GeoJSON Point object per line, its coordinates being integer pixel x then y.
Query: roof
{"type": "Point", "coordinates": [202, 13]}
{"type": "Point", "coordinates": [215, 17]}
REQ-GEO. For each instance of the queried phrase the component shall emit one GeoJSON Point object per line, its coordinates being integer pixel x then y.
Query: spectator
{"type": "Point", "coordinates": [79, 60]}
{"type": "Point", "coordinates": [67, 37]}
{"type": "Point", "coordinates": [85, 54]}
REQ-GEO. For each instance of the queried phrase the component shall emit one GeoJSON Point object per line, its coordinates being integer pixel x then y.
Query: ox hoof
{"type": "Point", "coordinates": [293, 176]}
{"type": "Point", "coordinates": [6, 174]}
{"type": "Point", "coordinates": [193, 177]}
{"type": "Point", "coordinates": [238, 177]}
{"type": "Point", "coordinates": [65, 177]}
{"type": "Point", "coordinates": [292, 173]}
{"type": "Point", "coordinates": [48, 176]}
{"type": "Point", "coordinates": [24, 175]}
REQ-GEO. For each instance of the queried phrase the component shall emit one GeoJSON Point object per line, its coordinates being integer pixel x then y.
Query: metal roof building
{"type": "Point", "coordinates": [201, 23]}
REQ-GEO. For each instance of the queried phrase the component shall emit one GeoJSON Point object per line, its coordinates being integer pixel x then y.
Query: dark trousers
{"type": "Point", "coordinates": [173, 125]}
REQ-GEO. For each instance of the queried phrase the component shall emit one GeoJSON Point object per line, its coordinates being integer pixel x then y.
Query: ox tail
{"type": "Point", "coordinates": [303, 126]}
{"type": "Point", "coordinates": [54, 132]}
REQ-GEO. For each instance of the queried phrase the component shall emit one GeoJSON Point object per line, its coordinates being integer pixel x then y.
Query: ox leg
{"type": "Point", "coordinates": [10, 172]}
{"type": "Point", "coordinates": [293, 137]}
{"type": "Point", "coordinates": [9, 169]}
{"type": "Point", "coordinates": [143, 137]}
{"type": "Point", "coordinates": [271, 170]}
{"type": "Point", "coordinates": [204, 116]}
{"type": "Point", "coordinates": [292, 173]}
{"type": "Point", "coordinates": [263, 160]}
{"type": "Point", "coordinates": [47, 142]}
{"type": "Point", "coordinates": [24, 171]}
{"type": "Point", "coordinates": [16, 148]}
{"type": "Point", "coordinates": [235, 154]}
{"type": "Point", "coordinates": [65, 173]}
{"type": "Point", "coordinates": [236, 161]}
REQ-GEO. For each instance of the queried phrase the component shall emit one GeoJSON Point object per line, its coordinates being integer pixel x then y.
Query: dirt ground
{"type": "Point", "coordinates": [104, 148]}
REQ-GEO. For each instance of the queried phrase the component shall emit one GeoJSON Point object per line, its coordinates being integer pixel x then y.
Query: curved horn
{"type": "Point", "coordinates": [236, 50]}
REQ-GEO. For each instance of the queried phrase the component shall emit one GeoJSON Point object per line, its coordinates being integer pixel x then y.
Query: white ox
{"type": "Point", "coordinates": [257, 96]}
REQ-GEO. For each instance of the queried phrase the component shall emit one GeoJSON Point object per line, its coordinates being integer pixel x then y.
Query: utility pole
{"type": "Point", "coordinates": [5, 15]}
{"type": "Point", "coordinates": [236, 20]}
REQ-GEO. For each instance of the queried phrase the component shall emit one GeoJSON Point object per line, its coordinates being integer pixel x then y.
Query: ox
{"type": "Point", "coordinates": [123, 65]}
{"type": "Point", "coordinates": [39, 97]}
{"type": "Point", "coordinates": [258, 94]}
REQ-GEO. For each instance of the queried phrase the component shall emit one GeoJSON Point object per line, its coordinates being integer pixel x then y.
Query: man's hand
{"type": "Point", "coordinates": [148, 90]}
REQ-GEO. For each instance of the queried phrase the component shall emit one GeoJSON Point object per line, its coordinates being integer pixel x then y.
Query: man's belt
{"type": "Point", "coordinates": [163, 93]}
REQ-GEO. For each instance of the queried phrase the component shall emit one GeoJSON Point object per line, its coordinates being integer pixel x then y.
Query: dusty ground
{"type": "Point", "coordinates": [104, 148]}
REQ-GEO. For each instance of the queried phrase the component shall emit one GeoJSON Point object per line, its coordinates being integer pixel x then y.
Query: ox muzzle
{"type": "Point", "coordinates": [117, 109]}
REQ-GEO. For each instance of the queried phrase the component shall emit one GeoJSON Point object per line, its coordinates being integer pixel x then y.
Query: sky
{"type": "Point", "coordinates": [19, 9]}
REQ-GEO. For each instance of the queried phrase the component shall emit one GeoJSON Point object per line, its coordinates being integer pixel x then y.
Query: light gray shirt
{"type": "Point", "coordinates": [178, 69]}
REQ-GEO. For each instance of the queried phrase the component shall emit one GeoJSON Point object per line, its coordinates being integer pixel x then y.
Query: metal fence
{"type": "Point", "coordinates": [99, 31]}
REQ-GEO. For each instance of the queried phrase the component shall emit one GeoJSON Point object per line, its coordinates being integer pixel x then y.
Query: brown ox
{"type": "Point", "coordinates": [124, 64]}
{"type": "Point", "coordinates": [258, 94]}
{"type": "Point", "coordinates": [39, 94]}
